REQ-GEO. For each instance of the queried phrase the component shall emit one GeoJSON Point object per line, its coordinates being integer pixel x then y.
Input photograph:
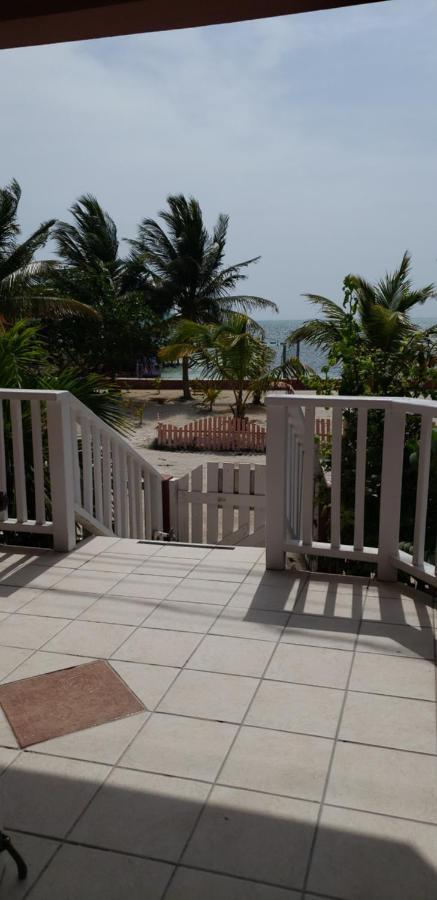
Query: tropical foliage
{"type": "Point", "coordinates": [374, 348]}
{"type": "Point", "coordinates": [233, 351]}
{"type": "Point", "coordinates": [180, 265]}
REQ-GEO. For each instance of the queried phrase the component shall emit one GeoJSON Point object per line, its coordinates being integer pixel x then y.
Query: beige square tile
{"type": "Point", "coordinates": [13, 598]}
{"type": "Point", "coordinates": [398, 608]}
{"type": "Point", "coordinates": [210, 696]}
{"type": "Point", "coordinates": [310, 665]}
{"type": "Point", "coordinates": [37, 852]}
{"type": "Point", "coordinates": [31, 576]}
{"type": "Point", "coordinates": [399, 676]}
{"type": "Point", "coordinates": [156, 646]}
{"type": "Point", "coordinates": [131, 547]}
{"type": "Point", "coordinates": [177, 745]}
{"type": "Point", "coordinates": [195, 617]}
{"type": "Point", "coordinates": [174, 550]}
{"type": "Point", "coordinates": [89, 582]}
{"type": "Point", "coordinates": [230, 570]}
{"type": "Point", "coordinates": [103, 743]}
{"type": "Point", "coordinates": [111, 875]}
{"type": "Point", "coordinates": [7, 736]}
{"type": "Point", "coordinates": [196, 885]}
{"type": "Point", "coordinates": [390, 722]}
{"type": "Point", "coordinates": [119, 610]}
{"type": "Point", "coordinates": [201, 591]}
{"type": "Point", "coordinates": [270, 597]}
{"type": "Point", "coordinates": [41, 662]}
{"type": "Point", "coordinates": [250, 555]}
{"type": "Point", "coordinates": [111, 564]}
{"type": "Point", "coordinates": [397, 640]}
{"type": "Point", "coordinates": [296, 707]}
{"type": "Point", "coordinates": [359, 856]}
{"type": "Point", "coordinates": [89, 638]}
{"type": "Point", "coordinates": [7, 756]}
{"type": "Point", "coordinates": [176, 568]}
{"type": "Point", "coordinates": [11, 658]}
{"type": "Point", "coordinates": [321, 631]}
{"type": "Point", "coordinates": [266, 626]}
{"type": "Point", "coordinates": [46, 794]}
{"type": "Point", "coordinates": [143, 814]}
{"type": "Point", "coordinates": [62, 604]}
{"type": "Point", "coordinates": [29, 631]}
{"type": "Point", "coordinates": [99, 544]}
{"type": "Point", "coordinates": [294, 765]}
{"type": "Point", "coordinates": [391, 782]}
{"type": "Point", "coordinates": [72, 560]}
{"type": "Point", "coordinates": [231, 655]}
{"type": "Point", "coordinates": [254, 836]}
{"type": "Point", "coordinates": [152, 587]}
{"type": "Point", "coordinates": [149, 683]}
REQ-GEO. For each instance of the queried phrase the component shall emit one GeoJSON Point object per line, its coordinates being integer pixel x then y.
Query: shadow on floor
{"type": "Point", "coordinates": [269, 847]}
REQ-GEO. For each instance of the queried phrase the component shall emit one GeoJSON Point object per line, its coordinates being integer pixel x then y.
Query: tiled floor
{"type": "Point", "coordinates": [287, 752]}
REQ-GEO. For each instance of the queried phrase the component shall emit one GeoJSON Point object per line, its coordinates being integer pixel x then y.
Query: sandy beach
{"type": "Point", "coordinates": [148, 407]}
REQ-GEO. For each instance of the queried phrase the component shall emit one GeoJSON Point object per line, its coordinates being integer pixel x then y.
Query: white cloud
{"type": "Point", "coordinates": [316, 133]}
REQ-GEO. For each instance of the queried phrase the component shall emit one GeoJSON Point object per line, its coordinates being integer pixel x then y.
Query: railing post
{"type": "Point", "coordinates": [61, 471]}
{"type": "Point", "coordinates": [277, 417]}
{"type": "Point", "coordinates": [391, 491]}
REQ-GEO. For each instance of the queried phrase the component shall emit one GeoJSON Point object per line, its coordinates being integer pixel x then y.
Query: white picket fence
{"type": "Point", "coordinates": [220, 504]}
{"type": "Point", "coordinates": [213, 433]}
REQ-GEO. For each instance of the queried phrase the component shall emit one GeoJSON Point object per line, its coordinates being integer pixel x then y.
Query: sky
{"type": "Point", "coordinates": [316, 133]}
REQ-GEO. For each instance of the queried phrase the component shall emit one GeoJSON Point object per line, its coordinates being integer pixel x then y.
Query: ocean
{"type": "Point", "coordinates": [276, 332]}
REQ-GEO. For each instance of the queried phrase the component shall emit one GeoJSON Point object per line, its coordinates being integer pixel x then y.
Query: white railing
{"type": "Point", "coordinates": [291, 455]}
{"type": "Point", "coordinates": [60, 464]}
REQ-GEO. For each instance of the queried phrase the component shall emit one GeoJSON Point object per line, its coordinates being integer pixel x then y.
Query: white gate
{"type": "Point", "coordinates": [220, 504]}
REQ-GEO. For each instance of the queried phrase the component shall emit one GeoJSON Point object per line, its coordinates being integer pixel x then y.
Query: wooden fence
{"type": "Point", "coordinates": [220, 504]}
{"type": "Point", "coordinates": [213, 433]}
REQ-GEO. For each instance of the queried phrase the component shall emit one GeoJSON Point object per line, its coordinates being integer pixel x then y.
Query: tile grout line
{"type": "Point", "coordinates": [330, 763]}
{"type": "Point", "coordinates": [226, 757]}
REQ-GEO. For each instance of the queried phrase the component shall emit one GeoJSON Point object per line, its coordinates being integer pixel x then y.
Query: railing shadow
{"type": "Point", "coordinates": [372, 609]}
{"type": "Point", "coordinates": [123, 838]}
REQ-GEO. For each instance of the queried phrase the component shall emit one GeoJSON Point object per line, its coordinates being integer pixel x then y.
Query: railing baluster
{"type": "Point", "coordinates": [308, 477]}
{"type": "Point", "coordinates": [107, 484]}
{"type": "Point", "coordinates": [87, 466]}
{"type": "Point", "coordinates": [124, 512]}
{"type": "Point", "coordinates": [147, 506]}
{"type": "Point", "coordinates": [3, 476]}
{"type": "Point", "coordinates": [337, 423]}
{"type": "Point", "coordinates": [360, 479]}
{"type": "Point", "coordinates": [38, 462]}
{"type": "Point", "coordinates": [18, 457]}
{"type": "Point", "coordinates": [97, 473]}
{"type": "Point", "coordinates": [76, 465]}
{"type": "Point", "coordinates": [117, 490]}
{"type": "Point", "coordinates": [391, 487]}
{"type": "Point", "coordinates": [422, 489]}
{"type": "Point", "coordinates": [131, 496]}
{"type": "Point", "coordinates": [139, 518]}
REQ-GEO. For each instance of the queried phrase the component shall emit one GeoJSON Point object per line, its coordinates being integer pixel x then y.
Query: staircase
{"type": "Point", "coordinates": [60, 466]}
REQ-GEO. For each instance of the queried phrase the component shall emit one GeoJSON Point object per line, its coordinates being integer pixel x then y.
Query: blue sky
{"type": "Point", "coordinates": [317, 133]}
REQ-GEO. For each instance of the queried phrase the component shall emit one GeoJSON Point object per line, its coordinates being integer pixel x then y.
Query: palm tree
{"type": "Point", "coordinates": [92, 270]}
{"type": "Point", "coordinates": [233, 350]}
{"type": "Point", "coordinates": [24, 291]}
{"type": "Point", "coordinates": [374, 320]}
{"type": "Point", "coordinates": [182, 264]}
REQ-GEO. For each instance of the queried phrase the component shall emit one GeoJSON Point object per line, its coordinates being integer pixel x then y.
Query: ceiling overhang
{"type": "Point", "coordinates": [28, 22]}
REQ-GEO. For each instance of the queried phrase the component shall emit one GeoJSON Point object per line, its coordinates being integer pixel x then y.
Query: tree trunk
{"type": "Point", "coordinates": [186, 378]}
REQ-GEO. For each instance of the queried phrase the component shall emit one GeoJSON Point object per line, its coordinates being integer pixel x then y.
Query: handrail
{"type": "Point", "coordinates": [290, 514]}
{"type": "Point", "coordinates": [61, 464]}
